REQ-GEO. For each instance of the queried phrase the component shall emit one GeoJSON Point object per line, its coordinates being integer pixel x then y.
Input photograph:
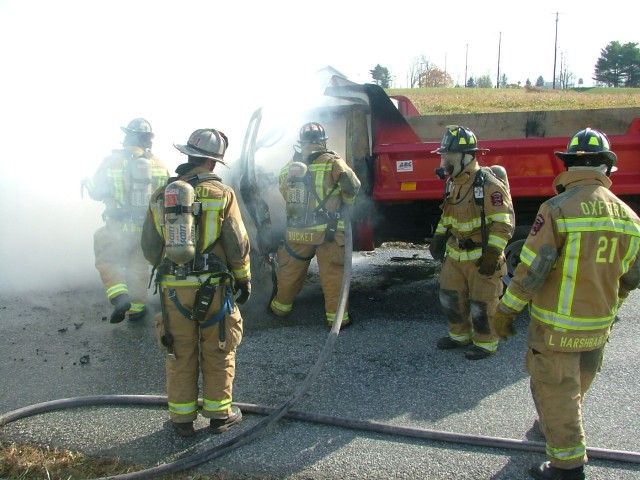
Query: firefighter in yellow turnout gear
{"type": "Point", "coordinates": [578, 264]}
{"type": "Point", "coordinates": [125, 181]}
{"type": "Point", "coordinates": [195, 235]}
{"type": "Point", "coordinates": [316, 189]}
{"type": "Point", "coordinates": [476, 224]}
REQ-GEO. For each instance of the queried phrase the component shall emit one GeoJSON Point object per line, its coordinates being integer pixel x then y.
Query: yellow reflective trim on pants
{"type": "Point", "coordinates": [461, 338]}
{"type": "Point", "coordinates": [281, 306]}
{"type": "Point", "coordinates": [136, 308]}
{"type": "Point", "coordinates": [570, 453]}
{"type": "Point", "coordinates": [117, 289]}
{"type": "Point", "coordinates": [331, 316]}
{"type": "Point", "coordinates": [488, 346]}
{"type": "Point", "coordinates": [183, 408]}
{"type": "Point", "coordinates": [216, 405]}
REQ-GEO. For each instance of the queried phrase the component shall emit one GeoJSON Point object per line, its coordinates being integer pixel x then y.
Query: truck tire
{"type": "Point", "coordinates": [512, 255]}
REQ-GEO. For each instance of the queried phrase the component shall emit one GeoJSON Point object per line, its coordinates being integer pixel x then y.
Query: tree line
{"type": "Point", "coordinates": [617, 66]}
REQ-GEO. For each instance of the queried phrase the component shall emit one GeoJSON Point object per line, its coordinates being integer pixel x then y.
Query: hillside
{"type": "Point", "coordinates": [485, 100]}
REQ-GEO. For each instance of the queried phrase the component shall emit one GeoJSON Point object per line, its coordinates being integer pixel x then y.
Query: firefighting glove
{"type": "Point", "coordinates": [245, 293]}
{"type": "Point", "coordinates": [438, 246]}
{"type": "Point", "coordinates": [502, 323]}
{"type": "Point", "coordinates": [489, 261]}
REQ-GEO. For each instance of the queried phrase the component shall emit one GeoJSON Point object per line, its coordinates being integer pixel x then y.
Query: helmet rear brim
{"type": "Point", "coordinates": [128, 131]}
{"type": "Point", "coordinates": [196, 152]}
{"type": "Point", "coordinates": [442, 150]}
{"type": "Point", "coordinates": [609, 157]}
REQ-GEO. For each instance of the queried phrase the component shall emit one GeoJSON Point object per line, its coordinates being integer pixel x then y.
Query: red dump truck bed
{"type": "Point", "coordinates": [405, 171]}
{"type": "Point", "coordinates": [406, 192]}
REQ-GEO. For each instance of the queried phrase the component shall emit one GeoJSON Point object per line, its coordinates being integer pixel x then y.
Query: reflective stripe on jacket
{"type": "Point", "coordinates": [325, 171]}
{"type": "Point", "coordinates": [461, 216]}
{"type": "Point", "coordinates": [108, 183]}
{"type": "Point", "coordinates": [220, 220]}
{"type": "Point", "coordinates": [597, 240]}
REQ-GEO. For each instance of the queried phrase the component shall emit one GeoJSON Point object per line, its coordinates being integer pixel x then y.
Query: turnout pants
{"type": "Point", "coordinates": [469, 300]}
{"type": "Point", "coordinates": [199, 350]}
{"type": "Point", "coordinates": [559, 382]}
{"type": "Point", "coordinates": [293, 271]}
{"type": "Point", "coordinates": [121, 263]}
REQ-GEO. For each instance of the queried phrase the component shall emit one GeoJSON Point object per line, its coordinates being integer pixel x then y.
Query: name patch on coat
{"type": "Point", "coordinates": [574, 342]}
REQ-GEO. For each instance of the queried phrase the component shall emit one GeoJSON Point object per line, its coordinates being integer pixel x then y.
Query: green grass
{"type": "Point", "coordinates": [431, 101]}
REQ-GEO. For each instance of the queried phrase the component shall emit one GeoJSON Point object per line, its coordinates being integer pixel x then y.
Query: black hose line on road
{"type": "Point", "coordinates": [246, 436]}
{"type": "Point", "coordinates": [284, 410]}
{"type": "Point", "coordinates": [354, 424]}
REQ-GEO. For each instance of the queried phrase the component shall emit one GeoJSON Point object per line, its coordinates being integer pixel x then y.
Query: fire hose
{"type": "Point", "coordinates": [245, 437]}
{"type": "Point", "coordinates": [273, 414]}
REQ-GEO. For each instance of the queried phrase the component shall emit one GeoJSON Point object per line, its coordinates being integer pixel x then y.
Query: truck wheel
{"type": "Point", "coordinates": [512, 255]}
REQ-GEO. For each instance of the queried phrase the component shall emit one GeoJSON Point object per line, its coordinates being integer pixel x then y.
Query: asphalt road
{"type": "Point", "coordinates": [385, 368]}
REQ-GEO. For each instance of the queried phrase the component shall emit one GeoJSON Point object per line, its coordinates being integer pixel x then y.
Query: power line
{"type": "Point", "coordinates": [555, 53]}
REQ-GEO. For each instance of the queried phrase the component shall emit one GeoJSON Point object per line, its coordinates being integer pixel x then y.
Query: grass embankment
{"type": "Point", "coordinates": [485, 100]}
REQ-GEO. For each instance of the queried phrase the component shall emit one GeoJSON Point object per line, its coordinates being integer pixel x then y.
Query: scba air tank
{"type": "Point", "coordinates": [140, 171]}
{"type": "Point", "coordinates": [297, 192]}
{"type": "Point", "coordinates": [180, 211]}
{"type": "Point", "coordinates": [140, 188]}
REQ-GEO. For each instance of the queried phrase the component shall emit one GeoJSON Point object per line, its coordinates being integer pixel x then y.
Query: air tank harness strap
{"type": "Point", "coordinates": [478, 193]}
{"type": "Point", "coordinates": [290, 251]}
{"type": "Point", "coordinates": [203, 300]}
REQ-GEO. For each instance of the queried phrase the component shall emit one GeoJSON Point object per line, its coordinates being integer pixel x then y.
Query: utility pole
{"type": "Point", "coordinates": [466, 56]}
{"type": "Point", "coordinates": [555, 53]}
{"type": "Point", "coordinates": [498, 79]}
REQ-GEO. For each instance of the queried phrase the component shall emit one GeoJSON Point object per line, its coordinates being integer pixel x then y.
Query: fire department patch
{"type": "Point", "coordinates": [496, 199]}
{"type": "Point", "coordinates": [537, 224]}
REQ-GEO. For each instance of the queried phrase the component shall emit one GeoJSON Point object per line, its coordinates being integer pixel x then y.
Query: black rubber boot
{"type": "Point", "coordinates": [547, 472]}
{"type": "Point", "coordinates": [184, 429]}
{"type": "Point", "coordinates": [134, 317]}
{"type": "Point", "coordinates": [448, 343]}
{"type": "Point", "coordinates": [221, 425]}
{"type": "Point", "coordinates": [475, 352]}
{"type": "Point", "coordinates": [121, 304]}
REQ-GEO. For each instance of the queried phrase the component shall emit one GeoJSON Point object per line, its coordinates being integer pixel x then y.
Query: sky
{"type": "Point", "coordinates": [74, 71]}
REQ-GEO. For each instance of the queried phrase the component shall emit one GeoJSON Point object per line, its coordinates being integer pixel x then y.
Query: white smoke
{"type": "Point", "coordinates": [68, 88]}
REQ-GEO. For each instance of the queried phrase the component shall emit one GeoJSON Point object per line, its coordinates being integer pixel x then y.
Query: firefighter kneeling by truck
{"type": "Point", "coordinates": [316, 185]}
{"type": "Point", "coordinates": [477, 222]}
